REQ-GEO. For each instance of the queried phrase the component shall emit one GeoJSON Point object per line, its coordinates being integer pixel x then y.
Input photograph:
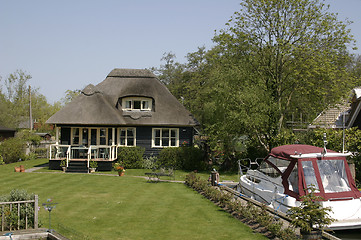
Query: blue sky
{"type": "Point", "coordinates": [68, 44]}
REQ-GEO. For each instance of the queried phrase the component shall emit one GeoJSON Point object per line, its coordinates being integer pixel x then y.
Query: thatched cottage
{"type": "Point", "coordinates": [131, 107]}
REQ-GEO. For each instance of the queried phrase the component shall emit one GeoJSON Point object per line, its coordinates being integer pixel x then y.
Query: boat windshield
{"type": "Point", "coordinates": [333, 176]}
{"type": "Point", "coordinates": [269, 170]}
{"type": "Point", "coordinates": [310, 176]}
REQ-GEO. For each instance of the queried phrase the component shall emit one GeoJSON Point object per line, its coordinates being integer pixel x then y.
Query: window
{"type": "Point", "coordinates": [268, 169]}
{"type": "Point", "coordinates": [91, 136]}
{"type": "Point", "coordinates": [103, 136]}
{"type": "Point", "coordinates": [333, 175]}
{"type": "Point", "coordinates": [309, 174]}
{"type": "Point", "coordinates": [75, 136]}
{"type": "Point", "coordinates": [126, 137]}
{"type": "Point", "coordinates": [137, 104]}
{"type": "Point", "coordinates": [165, 137]}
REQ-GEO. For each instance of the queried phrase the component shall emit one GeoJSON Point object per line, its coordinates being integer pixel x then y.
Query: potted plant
{"type": "Point", "coordinates": [119, 168]}
{"type": "Point", "coordinates": [310, 216]}
{"type": "Point", "coordinates": [63, 165]}
{"type": "Point", "coordinates": [93, 166]}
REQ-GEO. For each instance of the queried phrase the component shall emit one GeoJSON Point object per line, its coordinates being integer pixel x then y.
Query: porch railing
{"type": "Point", "coordinates": [18, 215]}
{"type": "Point", "coordinates": [92, 152]}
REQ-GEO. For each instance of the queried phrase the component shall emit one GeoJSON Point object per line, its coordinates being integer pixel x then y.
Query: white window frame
{"type": "Point", "coordinates": [72, 132]}
{"type": "Point", "coordinates": [161, 138]}
{"type": "Point", "coordinates": [142, 101]}
{"type": "Point", "coordinates": [126, 136]}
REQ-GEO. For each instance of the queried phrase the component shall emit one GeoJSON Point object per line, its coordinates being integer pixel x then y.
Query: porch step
{"type": "Point", "coordinates": [77, 166]}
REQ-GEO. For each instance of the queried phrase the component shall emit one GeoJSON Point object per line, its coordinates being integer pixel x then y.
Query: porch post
{"type": "Point", "coordinates": [113, 142]}
{"type": "Point", "coordinates": [57, 135]}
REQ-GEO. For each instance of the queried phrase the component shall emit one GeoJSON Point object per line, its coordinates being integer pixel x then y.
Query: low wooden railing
{"type": "Point", "coordinates": [15, 215]}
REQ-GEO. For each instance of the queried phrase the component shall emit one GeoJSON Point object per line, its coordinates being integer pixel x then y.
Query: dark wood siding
{"type": "Point", "coordinates": [144, 138]}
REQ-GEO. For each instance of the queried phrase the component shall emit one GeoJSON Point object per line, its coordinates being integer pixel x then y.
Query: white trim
{"type": "Point", "coordinates": [319, 155]}
{"type": "Point", "coordinates": [355, 114]}
{"type": "Point", "coordinates": [126, 136]}
{"type": "Point", "coordinates": [142, 101]}
{"type": "Point", "coordinates": [170, 137]}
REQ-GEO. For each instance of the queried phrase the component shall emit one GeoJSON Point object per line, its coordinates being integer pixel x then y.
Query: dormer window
{"type": "Point", "coordinates": [137, 104]}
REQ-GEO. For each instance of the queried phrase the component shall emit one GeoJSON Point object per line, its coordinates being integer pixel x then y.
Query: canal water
{"type": "Point", "coordinates": [348, 234]}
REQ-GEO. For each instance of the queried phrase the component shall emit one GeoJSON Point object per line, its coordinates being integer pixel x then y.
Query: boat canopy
{"type": "Point", "coordinates": [303, 166]}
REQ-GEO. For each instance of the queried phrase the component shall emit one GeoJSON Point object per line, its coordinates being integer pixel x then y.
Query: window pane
{"type": "Point", "coordinates": [122, 133]}
{"type": "Point", "coordinates": [93, 137]}
{"type": "Point", "coordinates": [157, 142]}
{"type": "Point", "coordinates": [173, 142]}
{"type": "Point", "coordinates": [130, 133]}
{"type": "Point", "coordinates": [122, 141]}
{"type": "Point", "coordinates": [85, 137]}
{"type": "Point", "coordinates": [165, 132]}
{"type": "Point", "coordinates": [173, 133]}
{"type": "Point", "coordinates": [145, 105]}
{"type": "Point", "coordinates": [165, 142]}
{"type": "Point", "coordinates": [333, 175]}
{"type": "Point", "coordinates": [130, 142]}
{"type": "Point", "coordinates": [293, 180]}
{"type": "Point", "coordinates": [268, 169]}
{"type": "Point", "coordinates": [279, 163]}
{"type": "Point", "coordinates": [157, 133]}
{"type": "Point", "coordinates": [309, 173]}
{"type": "Point", "coordinates": [136, 104]}
{"type": "Point", "coordinates": [128, 104]}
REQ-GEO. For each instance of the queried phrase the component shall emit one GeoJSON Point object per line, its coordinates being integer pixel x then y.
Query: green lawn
{"type": "Point", "coordinates": [108, 207]}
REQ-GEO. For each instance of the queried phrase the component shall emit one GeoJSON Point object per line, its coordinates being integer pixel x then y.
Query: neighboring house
{"type": "Point", "coordinates": [129, 108]}
{"type": "Point", "coordinates": [345, 114]}
{"type": "Point", "coordinates": [6, 133]}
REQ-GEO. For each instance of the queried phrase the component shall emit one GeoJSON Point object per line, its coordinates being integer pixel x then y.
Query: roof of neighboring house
{"type": "Point", "coordinates": [97, 105]}
{"type": "Point", "coordinates": [332, 117]}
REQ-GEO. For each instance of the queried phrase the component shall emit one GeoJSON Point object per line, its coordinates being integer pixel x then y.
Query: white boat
{"type": "Point", "coordinates": [282, 177]}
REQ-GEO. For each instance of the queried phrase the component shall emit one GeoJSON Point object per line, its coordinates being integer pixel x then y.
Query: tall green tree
{"type": "Point", "coordinates": [294, 54]}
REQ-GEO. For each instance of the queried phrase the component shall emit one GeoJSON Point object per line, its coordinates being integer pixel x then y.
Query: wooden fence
{"type": "Point", "coordinates": [18, 215]}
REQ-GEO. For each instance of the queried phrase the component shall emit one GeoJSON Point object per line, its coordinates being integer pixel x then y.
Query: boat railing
{"type": "Point", "coordinates": [252, 164]}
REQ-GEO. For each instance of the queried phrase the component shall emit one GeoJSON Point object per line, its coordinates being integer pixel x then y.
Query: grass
{"type": "Point", "coordinates": [108, 207]}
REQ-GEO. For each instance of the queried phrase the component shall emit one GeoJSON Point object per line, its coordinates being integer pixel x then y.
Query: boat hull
{"type": "Point", "coordinates": [346, 212]}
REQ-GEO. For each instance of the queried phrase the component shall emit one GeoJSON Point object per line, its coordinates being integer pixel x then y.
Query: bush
{"type": "Point", "coordinates": [41, 152]}
{"type": "Point", "coordinates": [130, 157]}
{"type": "Point", "coordinates": [149, 162]}
{"type": "Point", "coordinates": [12, 150]}
{"type": "Point", "coordinates": [169, 158]}
{"type": "Point", "coordinates": [186, 158]}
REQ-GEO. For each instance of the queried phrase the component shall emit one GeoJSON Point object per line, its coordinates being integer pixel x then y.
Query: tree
{"type": "Point", "coordinates": [70, 95]}
{"type": "Point", "coordinates": [291, 56]}
{"type": "Point", "coordinates": [14, 102]}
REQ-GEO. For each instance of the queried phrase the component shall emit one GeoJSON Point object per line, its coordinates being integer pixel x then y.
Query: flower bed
{"type": "Point", "coordinates": [257, 218]}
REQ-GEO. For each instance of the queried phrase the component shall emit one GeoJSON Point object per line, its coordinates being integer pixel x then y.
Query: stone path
{"type": "Point", "coordinates": [36, 168]}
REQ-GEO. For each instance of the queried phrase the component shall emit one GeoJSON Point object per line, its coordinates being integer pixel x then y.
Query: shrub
{"type": "Point", "coordinates": [131, 157]}
{"type": "Point", "coordinates": [169, 158]}
{"type": "Point", "coordinates": [186, 158]}
{"type": "Point", "coordinates": [1, 160]}
{"type": "Point", "coordinates": [11, 215]}
{"type": "Point", "coordinates": [12, 149]}
{"type": "Point", "coordinates": [41, 152]}
{"type": "Point", "coordinates": [149, 162]}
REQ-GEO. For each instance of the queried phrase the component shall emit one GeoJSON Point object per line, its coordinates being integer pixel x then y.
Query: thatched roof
{"type": "Point", "coordinates": [97, 105]}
